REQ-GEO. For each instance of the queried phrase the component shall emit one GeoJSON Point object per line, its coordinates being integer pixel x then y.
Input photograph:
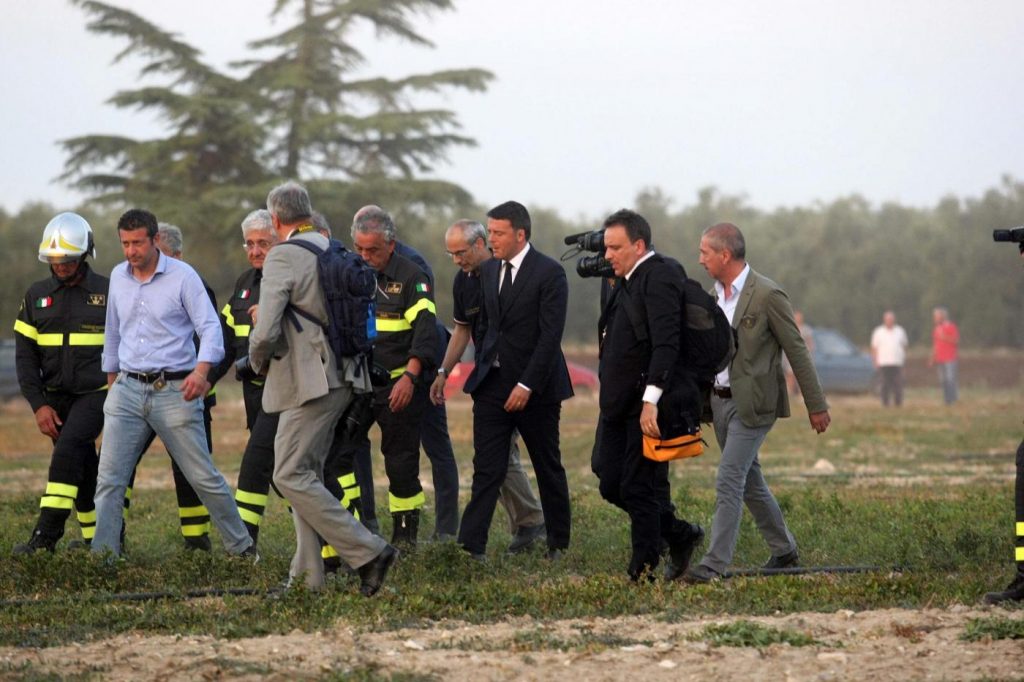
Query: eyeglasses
{"type": "Point", "coordinates": [461, 253]}
{"type": "Point", "coordinates": [263, 244]}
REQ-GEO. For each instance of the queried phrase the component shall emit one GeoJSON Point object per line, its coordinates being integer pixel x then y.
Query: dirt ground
{"type": "Point", "coordinates": [881, 645]}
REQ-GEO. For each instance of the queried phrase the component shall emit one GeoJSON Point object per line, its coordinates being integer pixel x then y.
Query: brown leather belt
{"type": "Point", "coordinates": [725, 393]}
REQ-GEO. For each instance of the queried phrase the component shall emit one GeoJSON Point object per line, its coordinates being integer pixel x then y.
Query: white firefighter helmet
{"type": "Point", "coordinates": [66, 238]}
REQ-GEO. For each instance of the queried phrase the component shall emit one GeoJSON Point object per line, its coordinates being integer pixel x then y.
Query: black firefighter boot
{"type": "Point", "coordinates": [1013, 592]}
{"type": "Point", "coordinates": [42, 538]}
{"type": "Point", "coordinates": [405, 529]}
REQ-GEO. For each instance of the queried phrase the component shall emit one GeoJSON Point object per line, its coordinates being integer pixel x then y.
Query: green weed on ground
{"type": "Point", "coordinates": [744, 633]}
{"type": "Point", "coordinates": [995, 627]}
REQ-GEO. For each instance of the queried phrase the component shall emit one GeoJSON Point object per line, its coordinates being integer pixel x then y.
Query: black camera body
{"type": "Point", "coordinates": [1014, 234]}
{"type": "Point", "coordinates": [590, 266]}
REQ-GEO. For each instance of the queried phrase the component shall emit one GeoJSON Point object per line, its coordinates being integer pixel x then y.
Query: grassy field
{"type": "Point", "coordinates": [923, 492]}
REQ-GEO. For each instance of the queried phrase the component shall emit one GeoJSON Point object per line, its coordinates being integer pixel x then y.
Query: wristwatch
{"type": "Point", "coordinates": [441, 372]}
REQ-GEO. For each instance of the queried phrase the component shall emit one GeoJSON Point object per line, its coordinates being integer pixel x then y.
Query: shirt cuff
{"type": "Point", "coordinates": [524, 387]}
{"type": "Point", "coordinates": [652, 394]}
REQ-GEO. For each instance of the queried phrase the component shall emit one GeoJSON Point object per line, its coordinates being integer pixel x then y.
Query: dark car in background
{"type": "Point", "coordinates": [842, 367]}
{"type": "Point", "coordinates": [8, 374]}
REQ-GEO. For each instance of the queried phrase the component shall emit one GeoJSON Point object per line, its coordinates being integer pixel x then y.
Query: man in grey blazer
{"type": "Point", "coordinates": [748, 397]}
{"type": "Point", "coordinates": [310, 388]}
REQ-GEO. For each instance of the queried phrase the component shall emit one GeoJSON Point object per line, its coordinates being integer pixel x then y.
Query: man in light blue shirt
{"type": "Point", "coordinates": [157, 381]}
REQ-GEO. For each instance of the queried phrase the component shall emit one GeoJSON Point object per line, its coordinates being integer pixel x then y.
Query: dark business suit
{"type": "Point", "coordinates": [630, 481]}
{"type": "Point", "coordinates": [521, 345]}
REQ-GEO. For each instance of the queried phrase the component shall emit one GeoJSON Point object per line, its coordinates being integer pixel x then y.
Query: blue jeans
{"type": "Point", "coordinates": [133, 408]}
{"type": "Point", "coordinates": [947, 377]}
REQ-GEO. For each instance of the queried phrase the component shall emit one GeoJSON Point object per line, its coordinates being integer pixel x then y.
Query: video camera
{"type": "Point", "coordinates": [1014, 234]}
{"type": "Point", "coordinates": [589, 266]}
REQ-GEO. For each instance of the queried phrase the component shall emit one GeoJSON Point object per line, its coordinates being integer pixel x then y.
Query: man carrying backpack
{"type": "Point", "coordinates": [310, 387]}
{"type": "Point", "coordinates": [639, 362]}
{"type": "Point", "coordinates": [747, 398]}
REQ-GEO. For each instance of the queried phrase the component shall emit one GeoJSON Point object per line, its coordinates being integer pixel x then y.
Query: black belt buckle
{"type": "Point", "coordinates": [160, 383]}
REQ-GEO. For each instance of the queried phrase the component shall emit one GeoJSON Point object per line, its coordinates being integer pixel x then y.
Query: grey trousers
{"type": "Point", "coordinates": [740, 481]}
{"type": "Point", "coordinates": [516, 495]}
{"type": "Point", "coordinates": [303, 438]}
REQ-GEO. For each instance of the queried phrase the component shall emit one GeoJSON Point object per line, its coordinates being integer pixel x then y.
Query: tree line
{"type": "Point", "coordinates": [299, 104]}
{"type": "Point", "coordinates": [843, 263]}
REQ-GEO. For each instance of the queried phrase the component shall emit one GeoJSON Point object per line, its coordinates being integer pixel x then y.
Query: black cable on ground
{"type": "Point", "coordinates": [149, 596]}
{"type": "Point", "coordinates": [250, 591]}
{"type": "Point", "coordinates": [805, 570]}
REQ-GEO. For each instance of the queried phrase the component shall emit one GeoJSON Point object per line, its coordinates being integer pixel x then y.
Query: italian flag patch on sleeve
{"type": "Point", "coordinates": [423, 288]}
{"type": "Point", "coordinates": [44, 302]}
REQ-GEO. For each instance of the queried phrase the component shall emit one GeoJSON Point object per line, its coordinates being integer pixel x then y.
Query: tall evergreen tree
{"type": "Point", "coordinates": [301, 113]}
{"type": "Point", "coordinates": [209, 157]}
{"type": "Point", "coordinates": [326, 121]}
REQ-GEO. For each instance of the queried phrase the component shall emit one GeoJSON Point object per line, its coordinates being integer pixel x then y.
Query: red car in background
{"type": "Point", "coordinates": [581, 377]}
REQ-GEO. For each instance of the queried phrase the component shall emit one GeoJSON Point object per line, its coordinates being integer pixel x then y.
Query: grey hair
{"type": "Point", "coordinates": [257, 220]}
{"type": "Point", "coordinates": [319, 221]}
{"type": "Point", "coordinates": [942, 310]}
{"type": "Point", "coordinates": [727, 237]}
{"type": "Point", "coordinates": [374, 219]}
{"type": "Point", "coordinates": [471, 230]}
{"type": "Point", "coordinates": [290, 203]}
{"type": "Point", "coordinates": [171, 236]}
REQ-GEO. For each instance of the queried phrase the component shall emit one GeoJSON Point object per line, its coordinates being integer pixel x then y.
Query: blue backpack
{"type": "Point", "coordinates": [350, 294]}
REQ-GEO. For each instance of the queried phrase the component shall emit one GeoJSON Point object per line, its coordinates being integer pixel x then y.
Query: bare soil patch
{"type": "Point", "coordinates": [891, 644]}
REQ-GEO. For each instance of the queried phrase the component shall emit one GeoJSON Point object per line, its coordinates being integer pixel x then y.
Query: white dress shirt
{"type": "Point", "coordinates": [728, 306]}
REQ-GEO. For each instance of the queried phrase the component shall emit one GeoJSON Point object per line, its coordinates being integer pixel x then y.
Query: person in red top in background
{"type": "Point", "coordinates": [945, 342]}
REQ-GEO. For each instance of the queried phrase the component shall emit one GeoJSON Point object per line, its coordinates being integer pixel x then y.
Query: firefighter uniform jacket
{"type": "Point", "coordinates": [406, 317]}
{"type": "Point", "coordinates": [59, 337]}
{"type": "Point", "coordinates": [235, 319]}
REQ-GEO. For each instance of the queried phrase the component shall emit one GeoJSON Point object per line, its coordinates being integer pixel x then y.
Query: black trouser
{"type": "Point", "coordinates": [399, 444]}
{"type": "Point", "coordinates": [437, 446]}
{"type": "Point", "coordinates": [345, 472]}
{"type": "Point", "coordinates": [71, 480]}
{"type": "Point", "coordinates": [256, 470]}
{"type": "Point", "coordinates": [1018, 489]}
{"type": "Point", "coordinates": [639, 486]}
{"type": "Point", "coordinates": [492, 432]}
{"type": "Point", "coordinates": [192, 513]}
{"type": "Point", "coordinates": [892, 384]}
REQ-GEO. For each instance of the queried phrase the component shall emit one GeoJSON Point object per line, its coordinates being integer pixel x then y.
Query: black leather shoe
{"type": "Point", "coordinates": [554, 554]}
{"type": "Point", "coordinates": [1013, 592]}
{"type": "Point", "coordinates": [372, 574]}
{"type": "Point", "coordinates": [791, 560]}
{"type": "Point", "coordinates": [250, 554]}
{"type": "Point", "coordinates": [680, 553]}
{"type": "Point", "coordinates": [700, 575]}
{"type": "Point", "coordinates": [525, 537]}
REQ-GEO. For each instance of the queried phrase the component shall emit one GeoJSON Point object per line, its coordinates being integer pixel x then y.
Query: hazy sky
{"type": "Point", "coordinates": [786, 102]}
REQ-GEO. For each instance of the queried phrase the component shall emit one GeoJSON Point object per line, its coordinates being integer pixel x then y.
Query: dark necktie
{"type": "Point", "coordinates": [505, 293]}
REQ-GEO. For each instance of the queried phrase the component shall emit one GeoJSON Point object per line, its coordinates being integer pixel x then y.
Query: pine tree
{"type": "Point", "coordinates": [300, 113]}
{"type": "Point", "coordinates": [209, 158]}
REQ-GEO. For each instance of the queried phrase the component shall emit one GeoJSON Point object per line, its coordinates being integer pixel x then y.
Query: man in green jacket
{"type": "Point", "coordinates": [748, 397]}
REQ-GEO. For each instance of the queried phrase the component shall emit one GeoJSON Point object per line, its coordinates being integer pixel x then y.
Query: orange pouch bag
{"type": "Point", "coordinates": [687, 445]}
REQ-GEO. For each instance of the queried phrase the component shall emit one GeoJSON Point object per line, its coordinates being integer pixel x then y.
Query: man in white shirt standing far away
{"type": "Point", "coordinates": [889, 352]}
